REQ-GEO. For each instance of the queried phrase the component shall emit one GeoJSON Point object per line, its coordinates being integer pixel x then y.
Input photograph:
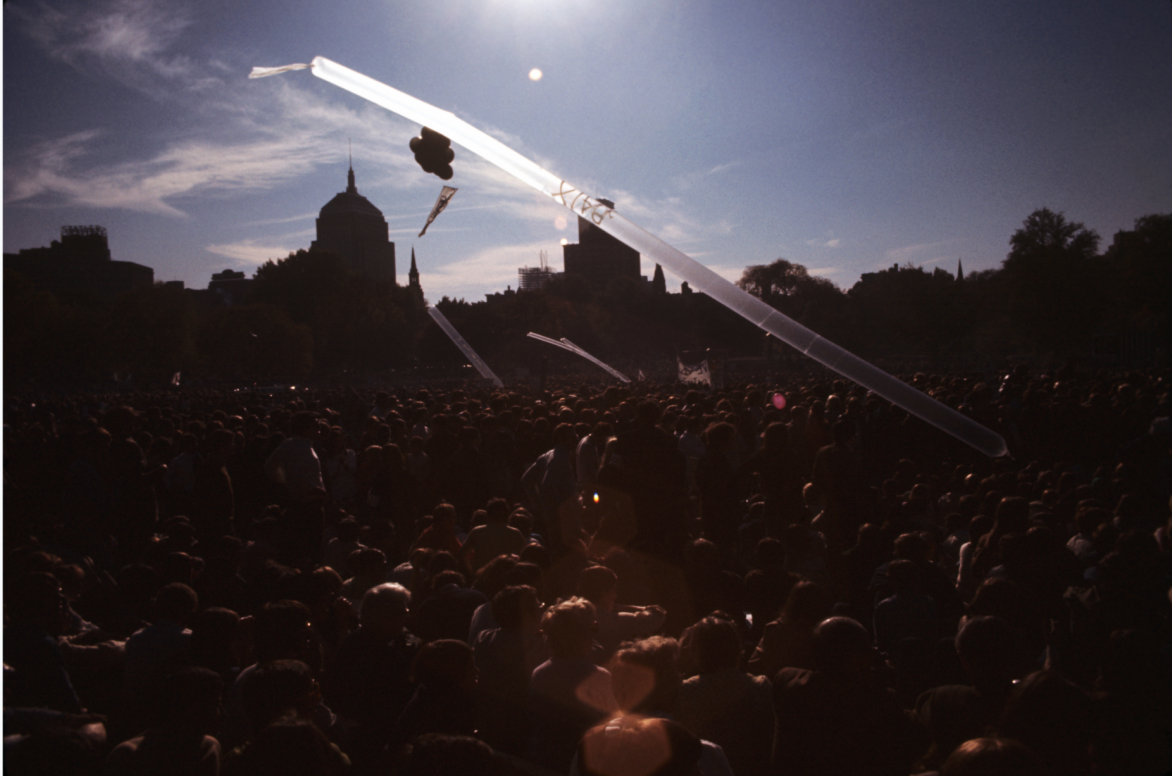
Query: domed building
{"type": "Point", "coordinates": [350, 226]}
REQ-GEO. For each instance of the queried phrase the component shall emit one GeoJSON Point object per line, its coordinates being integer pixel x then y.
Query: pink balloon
{"type": "Point", "coordinates": [779, 401]}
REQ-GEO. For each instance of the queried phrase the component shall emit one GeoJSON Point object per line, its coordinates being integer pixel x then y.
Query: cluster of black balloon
{"type": "Point", "coordinates": [434, 153]}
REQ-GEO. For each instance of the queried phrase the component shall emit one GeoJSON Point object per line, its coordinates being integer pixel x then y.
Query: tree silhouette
{"type": "Point", "coordinates": [1055, 281]}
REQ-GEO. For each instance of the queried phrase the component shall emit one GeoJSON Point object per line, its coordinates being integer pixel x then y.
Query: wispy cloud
{"type": "Point", "coordinates": [130, 40]}
{"type": "Point", "coordinates": [252, 253]}
{"type": "Point", "coordinates": [917, 254]}
{"type": "Point", "coordinates": [830, 241]}
{"type": "Point", "coordinates": [490, 269]}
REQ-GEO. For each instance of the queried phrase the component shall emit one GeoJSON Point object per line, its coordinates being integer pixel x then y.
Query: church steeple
{"type": "Point", "coordinates": [959, 271]}
{"type": "Point", "coordinates": [350, 187]}
{"type": "Point", "coordinates": [413, 276]}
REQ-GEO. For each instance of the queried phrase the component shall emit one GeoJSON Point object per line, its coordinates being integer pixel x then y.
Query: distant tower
{"type": "Point", "coordinates": [597, 255]}
{"type": "Point", "coordinates": [658, 281]}
{"type": "Point", "coordinates": [350, 226]}
{"type": "Point", "coordinates": [959, 271]}
{"type": "Point", "coordinates": [413, 277]}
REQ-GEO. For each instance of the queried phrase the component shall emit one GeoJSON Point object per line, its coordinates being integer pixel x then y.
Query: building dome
{"type": "Point", "coordinates": [350, 226]}
{"type": "Point", "coordinates": [350, 201]}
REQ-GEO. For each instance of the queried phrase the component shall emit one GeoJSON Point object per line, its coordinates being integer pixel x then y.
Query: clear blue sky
{"type": "Point", "coordinates": [845, 135]}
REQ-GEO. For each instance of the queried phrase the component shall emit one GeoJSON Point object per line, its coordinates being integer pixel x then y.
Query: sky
{"type": "Point", "coordinates": [843, 135]}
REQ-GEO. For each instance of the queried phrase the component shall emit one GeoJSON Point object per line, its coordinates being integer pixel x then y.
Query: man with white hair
{"type": "Point", "coordinates": [369, 679]}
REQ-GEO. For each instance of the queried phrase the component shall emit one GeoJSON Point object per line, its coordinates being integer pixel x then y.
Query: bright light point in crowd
{"type": "Point", "coordinates": [565, 241]}
{"type": "Point", "coordinates": [535, 74]}
{"type": "Point", "coordinates": [559, 223]}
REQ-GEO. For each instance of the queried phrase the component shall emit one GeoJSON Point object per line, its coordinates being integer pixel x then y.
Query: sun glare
{"type": "Point", "coordinates": [535, 74]}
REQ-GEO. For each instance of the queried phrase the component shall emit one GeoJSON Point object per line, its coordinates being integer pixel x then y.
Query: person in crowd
{"type": "Point", "coordinates": [505, 659]}
{"type": "Point", "coordinates": [492, 539]}
{"type": "Point", "coordinates": [568, 693]}
{"type": "Point", "coordinates": [550, 485]}
{"type": "Point", "coordinates": [834, 719]}
{"type": "Point", "coordinates": [722, 703]}
{"type": "Point", "coordinates": [616, 624]}
{"type": "Point", "coordinates": [186, 711]}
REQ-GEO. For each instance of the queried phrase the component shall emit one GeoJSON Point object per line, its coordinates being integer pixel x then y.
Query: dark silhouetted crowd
{"type": "Point", "coordinates": [782, 578]}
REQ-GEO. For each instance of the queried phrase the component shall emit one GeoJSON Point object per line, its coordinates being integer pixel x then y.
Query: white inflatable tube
{"type": "Point", "coordinates": [682, 266]}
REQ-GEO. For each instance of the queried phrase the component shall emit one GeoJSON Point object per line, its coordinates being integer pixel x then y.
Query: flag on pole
{"type": "Point", "coordinates": [441, 202]}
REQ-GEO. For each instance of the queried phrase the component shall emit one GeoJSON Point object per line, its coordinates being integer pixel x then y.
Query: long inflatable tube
{"type": "Point", "coordinates": [616, 373]}
{"type": "Point", "coordinates": [679, 264]}
{"type": "Point", "coordinates": [464, 347]}
{"type": "Point", "coordinates": [565, 344]}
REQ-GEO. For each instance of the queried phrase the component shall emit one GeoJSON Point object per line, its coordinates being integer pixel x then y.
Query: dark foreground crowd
{"type": "Point", "coordinates": [772, 579]}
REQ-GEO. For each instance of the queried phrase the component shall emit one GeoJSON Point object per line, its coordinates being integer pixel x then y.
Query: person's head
{"type": "Point", "coordinates": [176, 602]}
{"type": "Point", "coordinates": [637, 746]}
{"type": "Point", "coordinates": [911, 546]}
{"type": "Point", "coordinates": [496, 512]}
{"type": "Point", "coordinates": [492, 575]}
{"type": "Point", "coordinates": [569, 627]}
{"type": "Point", "coordinates": [281, 630]}
{"type": "Point", "coordinates": [215, 636]}
{"type": "Point", "coordinates": [445, 663]}
{"type": "Point", "coordinates": [1013, 515]}
{"type": "Point", "coordinates": [349, 530]}
{"type": "Point", "coordinates": [985, 646]}
{"type": "Point", "coordinates": [644, 676]}
{"type": "Point", "coordinates": [277, 688]}
{"type": "Point", "coordinates": [720, 436]}
{"type": "Point", "coordinates": [189, 698]}
{"type": "Point", "coordinates": [444, 516]}
{"type": "Point", "coordinates": [289, 745]}
{"type": "Point", "coordinates": [599, 586]}
{"type": "Point", "coordinates": [842, 646]}
{"type": "Point", "coordinates": [517, 608]}
{"type": "Point", "coordinates": [808, 602]}
{"type": "Point", "coordinates": [993, 757]}
{"type": "Point", "coordinates": [601, 433]}
{"type": "Point", "coordinates": [304, 424]}
{"type": "Point", "coordinates": [904, 576]}
{"type": "Point", "coordinates": [384, 610]}
{"type": "Point", "coordinates": [442, 755]}
{"type": "Point", "coordinates": [1053, 717]}
{"type": "Point", "coordinates": [716, 644]}
{"type": "Point", "coordinates": [368, 563]}
{"type": "Point", "coordinates": [648, 412]}
{"type": "Point", "coordinates": [40, 604]}
{"type": "Point", "coordinates": [564, 436]}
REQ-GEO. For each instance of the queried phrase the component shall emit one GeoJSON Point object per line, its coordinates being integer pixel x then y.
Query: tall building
{"type": "Point", "coordinates": [79, 263]}
{"type": "Point", "coordinates": [599, 257]}
{"type": "Point", "coordinates": [350, 226]}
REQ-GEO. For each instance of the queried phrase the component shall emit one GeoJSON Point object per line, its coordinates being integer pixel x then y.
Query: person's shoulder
{"type": "Point", "coordinates": [791, 678]}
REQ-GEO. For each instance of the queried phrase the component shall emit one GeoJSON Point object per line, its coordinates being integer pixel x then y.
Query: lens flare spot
{"type": "Point", "coordinates": [535, 74]}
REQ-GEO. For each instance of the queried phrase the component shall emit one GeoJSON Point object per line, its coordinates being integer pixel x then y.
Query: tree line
{"type": "Point", "coordinates": [1056, 294]}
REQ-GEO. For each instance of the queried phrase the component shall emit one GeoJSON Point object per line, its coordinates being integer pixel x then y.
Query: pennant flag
{"type": "Point", "coordinates": [641, 378]}
{"type": "Point", "coordinates": [695, 373]}
{"type": "Point", "coordinates": [441, 202]}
